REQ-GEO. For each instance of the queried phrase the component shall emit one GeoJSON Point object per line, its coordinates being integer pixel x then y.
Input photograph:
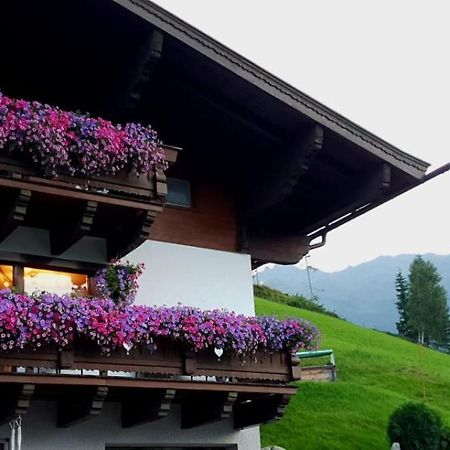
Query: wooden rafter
{"type": "Point", "coordinates": [80, 406]}
{"type": "Point", "coordinates": [65, 236]}
{"type": "Point", "coordinates": [146, 62]}
{"type": "Point", "coordinates": [366, 191]}
{"type": "Point", "coordinates": [143, 407]}
{"type": "Point", "coordinates": [15, 401]}
{"type": "Point", "coordinates": [129, 237]}
{"type": "Point", "coordinates": [208, 102]}
{"type": "Point", "coordinates": [15, 213]}
{"type": "Point", "coordinates": [279, 180]}
{"type": "Point", "coordinates": [259, 410]}
{"type": "Point", "coordinates": [206, 408]}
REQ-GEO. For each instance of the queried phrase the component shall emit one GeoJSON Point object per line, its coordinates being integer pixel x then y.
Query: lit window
{"type": "Point", "coordinates": [55, 282]}
{"type": "Point", "coordinates": [178, 192]}
{"type": "Point", "coordinates": [6, 277]}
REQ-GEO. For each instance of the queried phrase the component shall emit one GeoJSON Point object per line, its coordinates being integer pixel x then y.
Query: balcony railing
{"type": "Point", "coordinates": [147, 381]}
{"type": "Point", "coordinates": [168, 360]}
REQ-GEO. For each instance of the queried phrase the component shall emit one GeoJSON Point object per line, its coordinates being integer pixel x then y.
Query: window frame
{"type": "Point", "coordinates": [188, 183]}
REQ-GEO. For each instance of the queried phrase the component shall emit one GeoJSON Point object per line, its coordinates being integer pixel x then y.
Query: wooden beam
{"type": "Point", "coordinates": [233, 115]}
{"type": "Point", "coordinates": [129, 237]}
{"type": "Point", "coordinates": [15, 400]}
{"type": "Point", "coordinates": [15, 213]}
{"type": "Point", "coordinates": [259, 410]}
{"type": "Point", "coordinates": [68, 233]}
{"type": "Point", "coordinates": [367, 190]}
{"type": "Point", "coordinates": [206, 408]}
{"type": "Point", "coordinates": [277, 180]}
{"type": "Point", "coordinates": [80, 405]}
{"type": "Point", "coordinates": [143, 384]}
{"type": "Point", "coordinates": [140, 74]}
{"type": "Point", "coordinates": [69, 191]}
{"type": "Point", "coordinates": [142, 407]}
{"type": "Point", "coordinates": [275, 247]}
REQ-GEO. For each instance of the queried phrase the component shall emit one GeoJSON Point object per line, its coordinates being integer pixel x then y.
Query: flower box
{"type": "Point", "coordinates": [62, 332]}
{"type": "Point", "coordinates": [77, 150]}
{"type": "Point", "coordinates": [146, 187]}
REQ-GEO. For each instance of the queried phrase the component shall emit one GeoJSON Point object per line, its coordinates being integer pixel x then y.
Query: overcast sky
{"type": "Point", "coordinates": [385, 65]}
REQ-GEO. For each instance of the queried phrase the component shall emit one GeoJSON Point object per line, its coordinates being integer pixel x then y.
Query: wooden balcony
{"type": "Point", "coordinates": [119, 209]}
{"type": "Point", "coordinates": [147, 382]}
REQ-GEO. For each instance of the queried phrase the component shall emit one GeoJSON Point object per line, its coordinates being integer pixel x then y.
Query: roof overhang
{"type": "Point", "coordinates": [274, 86]}
{"type": "Point", "coordinates": [295, 167]}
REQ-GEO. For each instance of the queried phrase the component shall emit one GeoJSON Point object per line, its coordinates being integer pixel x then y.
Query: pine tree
{"type": "Point", "coordinates": [401, 286]}
{"type": "Point", "coordinates": [427, 307]}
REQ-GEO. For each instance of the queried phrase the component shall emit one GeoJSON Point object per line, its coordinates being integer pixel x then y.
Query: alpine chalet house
{"type": "Point", "coordinates": [245, 170]}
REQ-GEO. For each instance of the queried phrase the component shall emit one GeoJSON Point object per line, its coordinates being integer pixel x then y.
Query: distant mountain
{"type": "Point", "coordinates": [363, 294]}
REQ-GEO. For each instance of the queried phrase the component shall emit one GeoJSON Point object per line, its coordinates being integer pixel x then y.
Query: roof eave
{"type": "Point", "coordinates": [272, 85]}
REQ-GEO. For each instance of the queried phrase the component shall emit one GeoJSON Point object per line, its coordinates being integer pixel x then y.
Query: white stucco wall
{"type": "Point", "coordinates": [39, 432]}
{"type": "Point", "coordinates": [195, 277]}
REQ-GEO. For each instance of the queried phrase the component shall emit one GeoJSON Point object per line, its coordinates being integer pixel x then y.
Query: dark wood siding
{"type": "Point", "coordinates": [210, 223]}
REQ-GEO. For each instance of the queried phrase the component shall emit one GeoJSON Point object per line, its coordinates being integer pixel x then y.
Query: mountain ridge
{"type": "Point", "coordinates": [363, 294]}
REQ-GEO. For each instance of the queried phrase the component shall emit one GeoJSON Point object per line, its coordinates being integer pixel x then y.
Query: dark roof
{"type": "Point", "coordinates": [274, 86]}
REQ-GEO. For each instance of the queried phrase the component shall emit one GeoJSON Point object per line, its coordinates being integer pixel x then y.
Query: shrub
{"type": "Point", "coordinates": [298, 301]}
{"type": "Point", "coordinates": [416, 427]}
{"type": "Point", "coordinates": [445, 439]}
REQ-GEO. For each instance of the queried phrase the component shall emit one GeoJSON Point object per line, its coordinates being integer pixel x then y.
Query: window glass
{"type": "Point", "coordinates": [55, 282]}
{"type": "Point", "coordinates": [178, 192]}
{"type": "Point", "coordinates": [6, 277]}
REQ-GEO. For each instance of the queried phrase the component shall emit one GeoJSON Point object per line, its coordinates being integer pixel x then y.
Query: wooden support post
{"type": "Point", "coordinates": [62, 238]}
{"type": "Point", "coordinates": [16, 213]}
{"type": "Point", "coordinates": [80, 406]}
{"type": "Point", "coordinates": [65, 359]}
{"type": "Point", "coordinates": [190, 363]}
{"type": "Point", "coordinates": [206, 407]}
{"type": "Point", "coordinates": [296, 371]}
{"type": "Point", "coordinates": [15, 400]}
{"type": "Point", "coordinates": [259, 410]}
{"type": "Point", "coordinates": [143, 407]}
{"type": "Point", "coordinates": [18, 278]}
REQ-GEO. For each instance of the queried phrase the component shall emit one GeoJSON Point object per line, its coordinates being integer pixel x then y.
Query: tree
{"type": "Point", "coordinates": [401, 286]}
{"type": "Point", "coordinates": [426, 307]}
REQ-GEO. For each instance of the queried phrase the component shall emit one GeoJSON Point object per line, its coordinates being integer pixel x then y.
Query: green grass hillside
{"type": "Point", "coordinates": [377, 373]}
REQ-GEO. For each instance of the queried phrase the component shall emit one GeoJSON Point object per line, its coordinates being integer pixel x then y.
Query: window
{"type": "Point", "coordinates": [32, 279]}
{"type": "Point", "coordinates": [6, 278]}
{"type": "Point", "coordinates": [55, 282]}
{"type": "Point", "coordinates": [178, 192]}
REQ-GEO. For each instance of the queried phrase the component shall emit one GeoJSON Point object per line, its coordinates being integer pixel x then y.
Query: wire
{"type": "Point", "coordinates": [309, 277]}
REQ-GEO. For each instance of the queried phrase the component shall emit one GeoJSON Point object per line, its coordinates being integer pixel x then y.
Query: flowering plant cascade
{"type": "Point", "coordinates": [119, 282]}
{"type": "Point", "coordinates": [66, 142]}
{"type": "Point", "coordinates": [33, 322]}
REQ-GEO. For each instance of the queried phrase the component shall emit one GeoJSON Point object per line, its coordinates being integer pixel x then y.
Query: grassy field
{"type": "Point", "coordinates": [377, 373]}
